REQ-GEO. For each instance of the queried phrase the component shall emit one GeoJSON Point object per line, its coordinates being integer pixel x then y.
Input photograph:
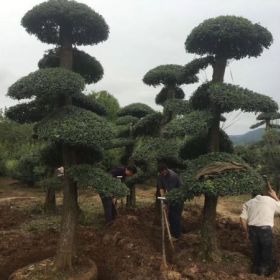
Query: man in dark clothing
{"type": "Point", "coordinates": [108, 202]}
{"type": "Point", "coordinates": [167, 181]}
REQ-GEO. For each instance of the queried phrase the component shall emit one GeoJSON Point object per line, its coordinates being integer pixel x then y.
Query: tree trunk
{"type": "Point", "coordinates": [66, 52]}
{"type": "Point", "coordinates": [209, 235]}
{"type": "Point", "coordinates": [66, 245]}
{"type": "Point", "coordinates": [131, 198]}
{"type": "Point", "coordinates": [209, 238]}
{"type": "Point", "coordinates": [50, 201]}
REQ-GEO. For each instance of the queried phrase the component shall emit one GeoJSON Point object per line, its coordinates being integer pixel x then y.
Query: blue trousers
{"type": "Point", "coordinates": [262, 243]}
{"type": "Point", "coordinates": [174, 217]}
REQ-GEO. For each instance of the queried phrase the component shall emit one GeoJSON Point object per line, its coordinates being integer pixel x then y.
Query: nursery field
{"type": "Point", "coordinates": [128, 249]}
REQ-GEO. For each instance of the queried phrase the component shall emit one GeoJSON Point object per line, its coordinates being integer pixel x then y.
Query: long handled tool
{"type": "Point", "coordinates": [164, 262]}
{"type": "Point", "coordinates": [168, 229]}
{"type": "Point", "coordinates": [269, 188]}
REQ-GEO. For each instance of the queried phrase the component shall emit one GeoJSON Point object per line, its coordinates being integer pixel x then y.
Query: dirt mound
{"type": "Point", "coordinates": [130, 248]}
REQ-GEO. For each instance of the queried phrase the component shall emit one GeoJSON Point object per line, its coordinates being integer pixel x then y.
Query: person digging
{"type": "Point", "coordinates": [257, 221]}
{"type": "Point", "coordinates": [167, 181]}
{"type": "Point", "coordinates": [109, 203]}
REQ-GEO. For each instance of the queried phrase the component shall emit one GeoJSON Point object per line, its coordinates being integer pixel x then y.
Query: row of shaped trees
{"type": "Point", "coordinates": [186, 135]}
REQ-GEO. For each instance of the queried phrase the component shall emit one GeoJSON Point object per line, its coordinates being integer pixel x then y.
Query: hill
{"type": "Point", "coordinates": [249, 137]}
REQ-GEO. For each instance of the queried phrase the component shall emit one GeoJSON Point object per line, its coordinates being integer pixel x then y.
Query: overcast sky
{"type": "Point", "coordinates": [145, 34]}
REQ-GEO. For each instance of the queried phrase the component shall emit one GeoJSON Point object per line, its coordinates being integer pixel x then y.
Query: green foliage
{"type": "Point", "coordinates": [54, 183]}
{"type": "Point", "coordinates": [27, 112]}
{"type": "Point", "coordinates": [88, 176]}
{"type": "Point", "coordinates": [84, 64]}
{"type": "Point", "coordinates": [177, 107]}
{"type": "Point", "coordinates": [137, 110]}
{"type": "Point", "coordinates": [88, 103]}
{"type": "Point", "coordinates": [197, 145]}
{"type": "Point", "coordinates": [46, 19]}
{"type": "Point", "coordinates": [229, 183]}
{"type": "Point", "coordinates": [126, 120]}
{"type": "Point", "coordinates": [148, 125]}
{"type": "Point", "coordinates": [162, 96]}
{"type": "Point", "coordinates": [170, 74]}
{"type": "Point", "coordinates": [224, 98]}
{"type": "Point", "coordinates": [257, 125]}
{"type": "Point", "coordinates": [268, 116]}
{"type": "Point", "coordinates": [251, 154]}
{"type": "Point", "coordinates": [228, 37]}
{"type": "Point", "coordinates": [47, 83]}
{"type": "Point", "coordinates": [108, 101]}
{"type": "Point", "coordinates": [188, 124]}
{"type": "Point", "coordinates": [30, 169]}
{"type": "Point", "coordinates": [149, 151]}
{"type": "Point", "coordinates": [193, 67]}
{"type": "Point", "coordinates": [75, 127]}
{"type": "Point", "coordinates": [51, 155]}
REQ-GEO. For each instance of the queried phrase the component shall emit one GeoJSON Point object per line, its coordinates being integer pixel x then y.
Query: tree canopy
{"type": "Point", "coordinates": [228, 37]}
{"type": "Point", "coordinates": [46, 20]}
{"type": "Point", "coordinates": [84, 64]}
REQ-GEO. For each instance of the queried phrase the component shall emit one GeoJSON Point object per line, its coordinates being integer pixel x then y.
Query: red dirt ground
{"type": "Point", "coordinates": [131, 247]}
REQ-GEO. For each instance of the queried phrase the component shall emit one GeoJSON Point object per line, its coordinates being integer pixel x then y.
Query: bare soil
{"type": "Point", "coordinates": [128, 249]}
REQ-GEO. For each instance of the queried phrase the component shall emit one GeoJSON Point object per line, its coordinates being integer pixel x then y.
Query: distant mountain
{"type": "Point", "coordinates": [249, 137]}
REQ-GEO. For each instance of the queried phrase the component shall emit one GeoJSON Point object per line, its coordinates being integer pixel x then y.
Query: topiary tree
{"type": "Point", "coordinates": [266, 119]}
{"type": "Point", "coordinates": [130, 117]}
{"type": "Point", "coordinates": [108, 101]}
{"type": "Point", "coordinates": [70, 121]}
{"type": "Point", "coordinates": [172, 76]}
{"type": "Point", "coordinates": [224, 38]}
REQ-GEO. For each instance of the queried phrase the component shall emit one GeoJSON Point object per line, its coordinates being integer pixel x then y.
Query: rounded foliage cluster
{"type": "Point", "coordinates": [230, 182]}
{"type": "Point", "coordinates": [149, 151]}
{"type": "Point", "coordinates": [137, 110]}
{"type": "Point", "coordinates": [188, 124]}
{"type": "Point", "coordinates": [170, 74]}
{"type": "Point", "coordinates": [163, 95]}
{"type": "Point", "coordinates": [177, 106]}
{"type": "Point", "coordinates": [225, 98]}
{"type": "Point", "coordinates": [228, 37]}
{"type": "Point", "coordinates": [48, 18]}
{"type": "Point", "coordinates": [197, 145]}
{"type": "Point", "coordinates": [148, 125]}
{"type": "Point", "coordinates": [126, 120]}
{"type": "Point", "coordinates": [83, 64]}
{"type": "Point", "coordinates": [27, 112]}
{"type": "Point", "coordinates": [88, 176]}
{"type": "Point", "coordinates": [193, 67]}
{"type": "Point", "coordinates": [269, 116]}
{"type": "Point", "coordinates": [75, 127]}
{"type": "Point", "coordinates": [47, 83]}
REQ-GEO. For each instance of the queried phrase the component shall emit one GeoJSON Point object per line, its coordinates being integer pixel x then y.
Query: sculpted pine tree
{"type": "Point", "coordinates": [65, 116]}
{"type": "Point", "coordinates": [128, 118]}
{"type": "Point", "coordinates": [224, 38]}
{"type": "Point", "coordinates": [267, 120]}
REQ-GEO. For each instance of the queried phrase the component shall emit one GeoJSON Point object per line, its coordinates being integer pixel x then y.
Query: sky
{"type": "Point", "coordinates": [143, 35]}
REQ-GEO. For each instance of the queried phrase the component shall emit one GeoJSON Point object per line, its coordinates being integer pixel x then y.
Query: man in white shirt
{"type": "Point", "coordinates": [257, 220]}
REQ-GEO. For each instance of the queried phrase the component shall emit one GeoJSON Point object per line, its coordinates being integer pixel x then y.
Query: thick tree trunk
{"type": "Point", "coordinates": [50, 201]}
{"type": "Point", "coordinates": [209, 236]}
{"type": "Point", "coordinates": [66, 245]}
{"type": "Point", "coordinates": [131, 198]}
{"type": "Point", "coordinates": [66, 52]}
{"type": "Point", "coordinates": [209, 239]}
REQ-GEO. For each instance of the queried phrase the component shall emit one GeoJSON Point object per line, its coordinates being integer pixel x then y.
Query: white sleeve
{"type": "Point", "coordinates": [277, 207]}
{"type": "Point", "coordinates": [244, 213]}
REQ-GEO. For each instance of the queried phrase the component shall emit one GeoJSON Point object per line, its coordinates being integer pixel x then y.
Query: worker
{"type": "Point", "coordinates": [257, 220]}
{"type": "Point", "coordinates": [109, 203]}
{"type": "Point", "coordinates": [167, 181]}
